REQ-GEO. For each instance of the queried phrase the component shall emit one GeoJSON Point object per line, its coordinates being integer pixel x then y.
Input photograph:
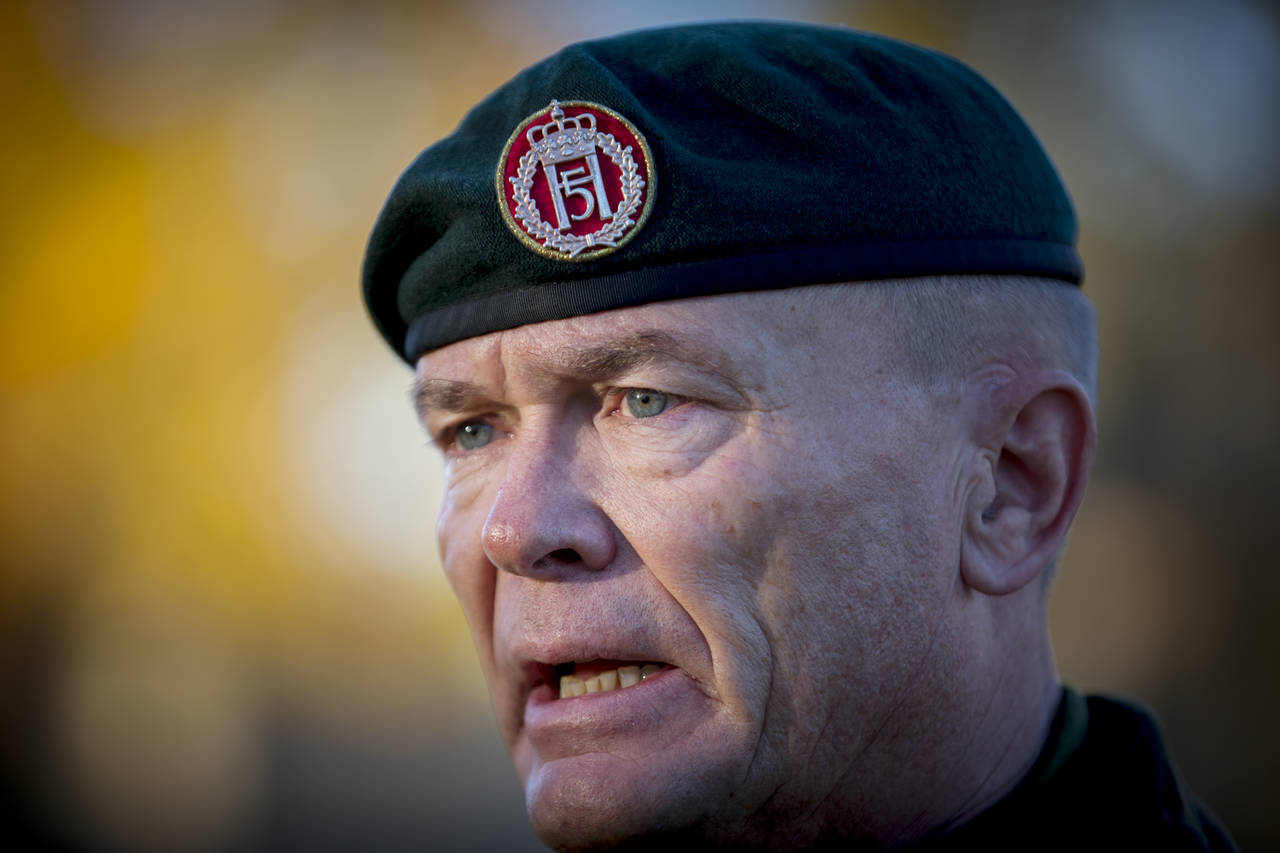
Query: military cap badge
{"type": "Point", "coordinates": [575, 181]}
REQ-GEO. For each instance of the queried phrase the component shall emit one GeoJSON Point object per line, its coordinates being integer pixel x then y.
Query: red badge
{"type": "Point", "coordinates": [575, 181]}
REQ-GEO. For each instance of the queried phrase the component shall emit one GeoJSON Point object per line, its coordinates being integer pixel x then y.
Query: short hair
{"type": "Point", "coordinates": [948, 326]}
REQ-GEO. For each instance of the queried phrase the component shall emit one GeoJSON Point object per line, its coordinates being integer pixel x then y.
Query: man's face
{"type": "Point", "coordinates": [740, 489]}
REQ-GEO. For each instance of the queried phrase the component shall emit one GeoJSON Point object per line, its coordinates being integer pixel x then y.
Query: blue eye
{"type": "Point", "coordinates": [645, 403]}
{"type": "Point", "coordinates": [474, 434]}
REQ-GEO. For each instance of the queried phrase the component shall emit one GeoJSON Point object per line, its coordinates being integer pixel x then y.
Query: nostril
{"type": "Point", "coordinates": [561, 558]}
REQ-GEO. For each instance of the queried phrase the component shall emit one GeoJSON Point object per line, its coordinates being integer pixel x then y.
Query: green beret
{"type": "Point", "coordinates": [706, 159]}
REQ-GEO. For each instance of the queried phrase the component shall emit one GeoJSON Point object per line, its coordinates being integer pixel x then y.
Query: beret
{"type": "Point", "coordinates": [710, 158]}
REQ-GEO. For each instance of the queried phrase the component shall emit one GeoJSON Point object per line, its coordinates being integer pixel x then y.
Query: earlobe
{"type": "Point", "coordinates": [1037, 436]}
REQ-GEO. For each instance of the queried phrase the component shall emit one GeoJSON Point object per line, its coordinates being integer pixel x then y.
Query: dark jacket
{"type": "Point", "coordinates": [1102, 782]}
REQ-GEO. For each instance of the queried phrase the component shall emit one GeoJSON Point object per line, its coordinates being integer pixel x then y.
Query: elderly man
{"type": "Point", "coordinates": [764, 387]}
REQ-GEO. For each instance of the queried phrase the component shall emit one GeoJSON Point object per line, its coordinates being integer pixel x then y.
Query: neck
{"type": "Point", "coordinates": [991, 719]}
{"type": "Point", "coordinates": [1009, 711]}
{"type": "Point", "coordinates": [1005, 752]}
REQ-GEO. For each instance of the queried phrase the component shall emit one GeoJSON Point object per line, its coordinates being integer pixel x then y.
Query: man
{"type": "Point", "coordinates": [764, 386]}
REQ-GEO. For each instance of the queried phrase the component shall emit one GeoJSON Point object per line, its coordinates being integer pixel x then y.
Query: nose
{"type": "Point", "coordinates": [543, 522]}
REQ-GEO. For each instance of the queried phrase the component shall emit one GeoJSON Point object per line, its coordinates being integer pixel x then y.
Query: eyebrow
{"type": "Point", "coordinates": [627, 353]}
{"type": "Point", "coordinates": [444, 395]}
{"type": "Point", "coordinates": [592, 364]}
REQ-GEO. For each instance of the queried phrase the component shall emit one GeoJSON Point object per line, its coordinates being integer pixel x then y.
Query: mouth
{"type": "Point", "coordinates": [610, 702]}
{"type": "Point", "coordinates": [573, 679]}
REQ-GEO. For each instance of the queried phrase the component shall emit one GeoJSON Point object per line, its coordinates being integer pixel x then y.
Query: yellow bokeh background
{"type": "Point", "coordinates": [222, 621]}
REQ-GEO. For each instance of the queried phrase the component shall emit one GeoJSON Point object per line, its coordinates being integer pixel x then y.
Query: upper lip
{"type": "Point", "coordinates": [539, 627]}
{"type": "Point", "coordinates": [537, 661]}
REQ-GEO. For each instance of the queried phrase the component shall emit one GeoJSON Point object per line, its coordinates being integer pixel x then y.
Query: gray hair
{"type": "Point", "coordinates": [948, 326]}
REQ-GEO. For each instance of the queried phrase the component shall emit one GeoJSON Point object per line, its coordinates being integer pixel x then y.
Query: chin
{"type": "Point", "coordinates": [605, 802]}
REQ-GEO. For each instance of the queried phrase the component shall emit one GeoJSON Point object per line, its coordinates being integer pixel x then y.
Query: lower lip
{"type": "Point", "coordinates": [625, 710]}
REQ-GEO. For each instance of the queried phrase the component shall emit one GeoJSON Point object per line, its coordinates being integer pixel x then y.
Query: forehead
{"type": "Point", "coordinates": [741, 335]}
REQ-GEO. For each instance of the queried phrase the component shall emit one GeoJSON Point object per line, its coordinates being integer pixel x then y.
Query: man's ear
{"type": "Point", "coordinates": [1036, 434]}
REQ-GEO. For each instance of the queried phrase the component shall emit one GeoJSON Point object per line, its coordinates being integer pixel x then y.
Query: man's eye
{"type": "Point", "coordinates": [474, 434]}
{"type": "Point", "coordinates": [645, 403]}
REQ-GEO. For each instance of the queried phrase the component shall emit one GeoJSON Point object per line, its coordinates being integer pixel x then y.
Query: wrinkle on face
{"type": "Point", "coordinates": [803, 548]}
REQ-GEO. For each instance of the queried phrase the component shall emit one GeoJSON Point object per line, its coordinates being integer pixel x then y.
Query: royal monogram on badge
{"type": "Point", "coordinates": [575, 181]}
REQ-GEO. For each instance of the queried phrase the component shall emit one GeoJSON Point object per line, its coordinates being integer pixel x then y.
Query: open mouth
{"type": "Point", "coordinates": [597, 676]}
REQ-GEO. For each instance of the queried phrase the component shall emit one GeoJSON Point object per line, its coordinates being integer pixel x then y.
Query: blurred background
{"type": "Point", "coordinates": [223, 626]}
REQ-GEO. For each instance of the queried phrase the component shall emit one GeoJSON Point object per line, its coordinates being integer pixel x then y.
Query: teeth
{"type": "Point", "coordinates": [607, 681]}
{"type": "Point", "coordinates": [570, 686]}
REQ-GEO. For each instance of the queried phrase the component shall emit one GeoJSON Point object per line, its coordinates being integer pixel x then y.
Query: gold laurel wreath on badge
{"type": "Point", "coordinates": [524, 218]}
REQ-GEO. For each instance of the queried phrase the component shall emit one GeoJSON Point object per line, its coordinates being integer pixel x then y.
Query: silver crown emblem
{"type": "Point", "coordinates": [573, 137]}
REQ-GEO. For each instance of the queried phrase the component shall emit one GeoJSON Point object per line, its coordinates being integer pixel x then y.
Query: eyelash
{"type": "Point", "coordinates": [617, 400]}
{"type": "Point", "coordinates": [614, 401]}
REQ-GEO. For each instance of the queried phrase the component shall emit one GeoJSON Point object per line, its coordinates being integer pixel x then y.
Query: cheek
{"type": "Point", "coordinates": [803, 570]}
{"type": "Point", "coordinates": [860, 590]}
{"type": "Point", "coordinates": [707, 539]}
{"type": "Point", "coordinates": [470, 574]}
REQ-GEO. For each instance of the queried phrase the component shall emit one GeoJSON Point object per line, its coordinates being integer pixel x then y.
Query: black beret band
{"type": "Point", "coordinates": [770, 155]}
{"type": "Point", "coordinates": [822, 265]}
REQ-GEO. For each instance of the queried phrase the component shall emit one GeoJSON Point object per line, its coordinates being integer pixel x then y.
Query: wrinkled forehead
{"type": "Point", "coordinates": [718, 332]}
{"type": "Point", "coordinates": [746, 340]}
